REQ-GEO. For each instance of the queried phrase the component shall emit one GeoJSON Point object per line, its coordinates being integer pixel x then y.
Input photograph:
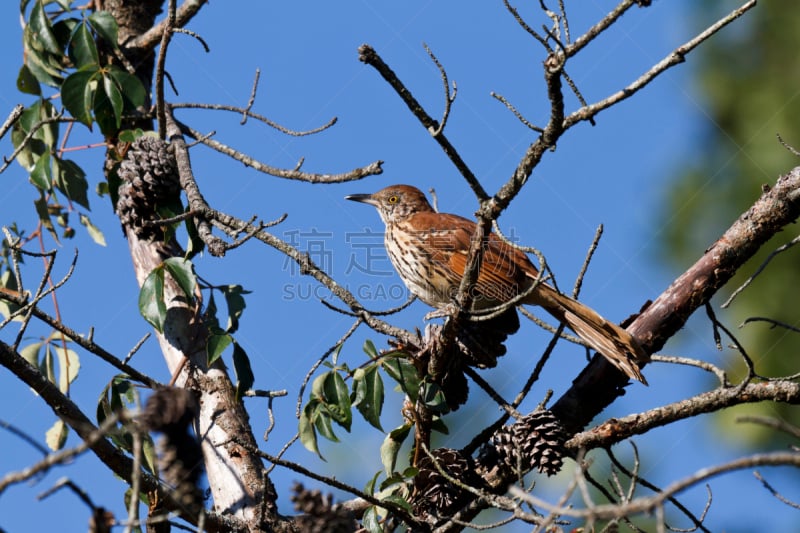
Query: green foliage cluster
{"type": "Point", "coordinates": [331, 402]}
{"type": "Point", "coordinates": [61, 52]}
{"type": "Point", "coordinates": [76, 56]}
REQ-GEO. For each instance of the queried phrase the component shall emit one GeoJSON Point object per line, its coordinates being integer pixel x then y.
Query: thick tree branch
{"type": "Point", "coordinates": [113, 458]}
{"type": "Point", "coordinates": [619, 429]}
{"type": "Point", "coordinates": [149, 39]}
{"type": "Point", "coordinates": [599, 383]}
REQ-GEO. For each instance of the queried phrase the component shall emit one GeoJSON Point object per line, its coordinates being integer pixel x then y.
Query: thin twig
{"type": "Point", "coordinates": [448, 98]}
{"type": "Point", "coordinates": [190, 33]}
{"type": "Point", "coordinates": [775, 323]}
{"type": "Point", "coordinates": [24, 436]}
{"type": "Point", "coordinates": [355, 174]}
{"type": "Point", "coordinates": [166, 36]}
{"type": "Point", "coordinates": [60, 457]}
{"type": "Point", "coordinates": [338, 345]}
{"type": "Point", "coordinates": [13, 116]}
{"type": "Point", "coordinates": [502, 99]}
{"type": "Point", "coordinates": [721, 375]}
{"type": "Point", "coordinates": [791, 149]}
{"type": "Point", "coordinates": [368, 55]}
{"type": "Point", "coordinates": [636, 479]}
{"type": "Point", "coordinates": [524, 25]}
{"type": "Point", "coordinates": [493, 394]}
{"type": "Point", "coordinates": [676, 57]}
{"type": "Point", "coordinates": [150, 39]}
{"type": "Point", "coordinates": [651, 503]}
{"type": "Point", "coordinates": [760, 268]}
{"type": "Point", "coordinates": [252, 99]}
{"type": "Point", "coordinates": [770, 422]}
{"type": "Point", "coordinates": [295, 467]}
{"type": "Point", "coordinates": [246, 112]}
{"type": "Point", "coordinates": [774, 492]}
{"type": "Point", "coordinates": [576, 290]}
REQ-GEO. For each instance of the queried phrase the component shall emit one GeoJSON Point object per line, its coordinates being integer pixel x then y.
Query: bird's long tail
{"type": "Point", "coordinates": [609, 339]}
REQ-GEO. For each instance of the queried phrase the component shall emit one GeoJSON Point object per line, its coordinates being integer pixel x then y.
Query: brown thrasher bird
{"type": "Point", "coordinates": [429, 251]}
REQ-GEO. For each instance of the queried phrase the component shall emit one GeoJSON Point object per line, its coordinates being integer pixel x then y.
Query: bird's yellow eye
{"type": "Point", "coordinates": [392, 199]}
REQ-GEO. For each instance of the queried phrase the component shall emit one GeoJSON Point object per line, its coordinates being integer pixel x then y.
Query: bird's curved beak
{"type": "Point", "coordinates": [363, 198]}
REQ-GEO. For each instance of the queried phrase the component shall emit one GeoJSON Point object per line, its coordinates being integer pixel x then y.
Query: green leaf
{"type": "Point", "coordinates": [404, 373]}
{"type": "Point", "coordinates": [432, 396]}
{"type": "Point", "coordinates": [105, 25]}
{"type": "Point", "coordinates": [306, 431]}
{"type": "Point", "coordinates": [68, 367]}
{"type": "Point", "coordinates": [368, 392]}
{"type": "Point", "coordinates": [8, 281]}
{"type": "Point", "coordinates": [63, 30]}
{"type": "Point", "coordinates": [104, 113]}
{"type": "Point", "coordinates": [437, 424]}
{"type": "Point", "coordinates": [26, 156]}
{"type": "Point", "coordinates": [182, 271]}
{"type": "Point", "coordinates": [82, 49]}
{"type": "Point", "coordinates": [370, 350]}
{"type": "Point", "coordinates": [46, 134]}
{"type": "Point", "coordinates": [317, 391]}
{"type": "Point", "coordinates": [371, 522]}
{"type": "Point", "coordinates": [94, 232]}
{"type": "Point", "coordinates": [149, 454]}
{"type": "Point", "coordinates": [216, 345]}
{"type": "Point", "coordinates": [42, 72]}
{"type": "Point", "coordinates": [115, 97]}
{"type": "Point", "coordinates": [116, 395]}
{"type": "Point", "coordinates": [322, 423]}
{"type": "Point", "coordinates": [44, 216]}
{"type": "Point", "coordinates": [151, 299]}
{"type": "Point", "coordinates": [244, 373]}
{"type": "Point", "coordinates": [130, 86]}
{"type": "Point", "coordinates": [77, 93]}
{"type": "Point", "coordinates": [236, 305]}
{"type": "Point", "coordinates": [335, 354]}
{"type": "Point", "coordinates": [210, 316]}
{"type": "Point", "coordinates": [337, 399]}
{"type": "Point", "coordinates": [27, 82]}
{"type": "Point", "coordinates": [56, 436]}
{"type": "Point", "coordinates": [399, 501]}
{"type": "Point", "coordinates": [31, 353]}
{"type": "Point", "coordinates": [391, 447]}
{"type": "Point", "coordinates": [41, 174]}
{"type": "Point", "coordinates": [71, 180]}
{"type": "Point", "coordinates": [195, 244]}
{"type": "Point", "coordinates": [42, 29]}
{"type": "Point", "coordinates": [128, 136]}
{"type": "Point", "coordinates": [369, 488]}
{"type": "Point", "coordinates": [47, 364]}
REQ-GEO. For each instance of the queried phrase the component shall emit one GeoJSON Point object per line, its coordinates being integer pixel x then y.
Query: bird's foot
{"type": "Point", "coordinates": [442, 312]}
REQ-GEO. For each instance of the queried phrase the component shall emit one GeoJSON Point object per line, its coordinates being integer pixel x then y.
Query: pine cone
{"type": "Point", "coordinates": [535, 441]}
{"type": "Point", "coordinates": [149, 178]}
{"type": "Point", "coordinates": [478, 343]}
{"type": "Point", "coordinates": [434, 494]}
{"type": "Point", "coordinates": [482, 340]}
{"type": "Point", "coordinates": [320, 515]}
{"type": "Point", "coordinates": [180, 459]}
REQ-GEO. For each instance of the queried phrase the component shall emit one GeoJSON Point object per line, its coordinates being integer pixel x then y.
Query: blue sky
{"type": "Point", "coordinates": [613, 174]}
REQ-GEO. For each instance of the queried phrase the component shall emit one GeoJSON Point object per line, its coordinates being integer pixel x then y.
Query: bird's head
{"type": "Point", "coordinates": [395, 203]}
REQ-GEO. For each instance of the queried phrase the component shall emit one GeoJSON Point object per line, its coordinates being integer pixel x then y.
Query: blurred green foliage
{"type": "Point", "coordinates": [749, 77]}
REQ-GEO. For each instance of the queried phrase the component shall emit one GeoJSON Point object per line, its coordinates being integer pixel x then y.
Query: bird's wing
{"type": "Point", "coordinates": [503, 270]}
